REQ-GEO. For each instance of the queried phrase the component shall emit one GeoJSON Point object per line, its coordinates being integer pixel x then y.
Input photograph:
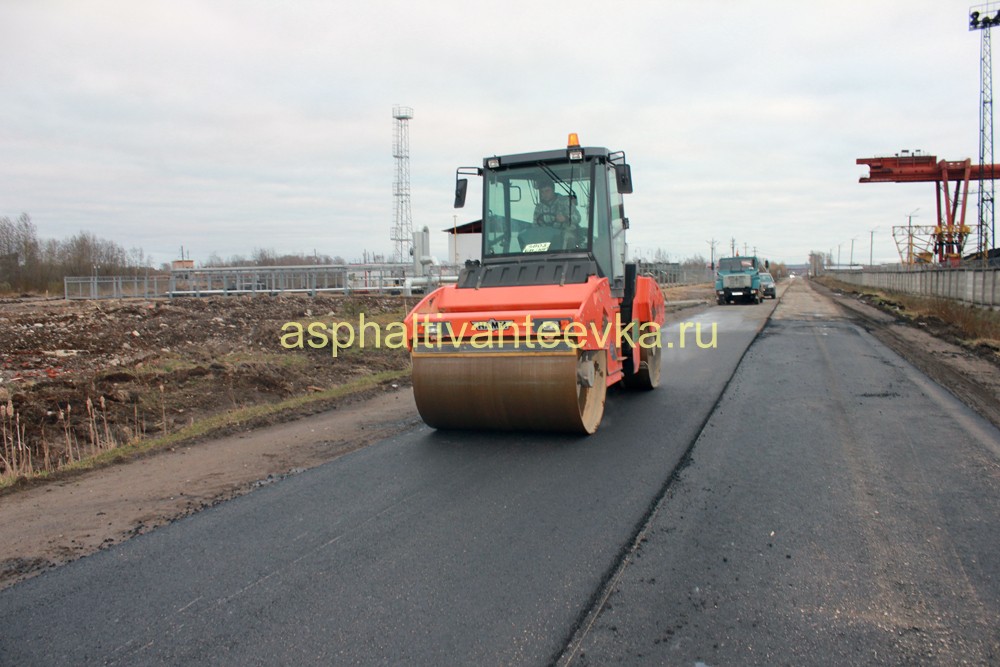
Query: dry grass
{"type": "Point", "coordinates": [18, 460]}
{"type": "Point", "coordinates": [977, 324]}
{"type": "Point", "coordinates": [16, 457]}
{"type": "Point", "coordinates": [972, 324]}
{"type": "Point", "coordinates": [103, 447]}
{"type": "Point", "coordinates": [703, 291]}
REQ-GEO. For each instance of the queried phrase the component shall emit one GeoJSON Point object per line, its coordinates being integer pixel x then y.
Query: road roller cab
{"type": "Point", "coordinates": [534, 333]}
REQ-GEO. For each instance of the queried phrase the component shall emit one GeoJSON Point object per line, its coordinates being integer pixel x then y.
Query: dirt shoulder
{"type": "Point", "coordinates": [53, 523]}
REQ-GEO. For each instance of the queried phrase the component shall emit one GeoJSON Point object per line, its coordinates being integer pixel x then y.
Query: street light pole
{"type": "Point", "coordinates": [871, 248]}
{"type": "Point", "coordinates": [909, 236]}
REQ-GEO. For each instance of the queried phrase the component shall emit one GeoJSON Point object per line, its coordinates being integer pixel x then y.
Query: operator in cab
{"type": "Point", "coordinates": [554, 210]}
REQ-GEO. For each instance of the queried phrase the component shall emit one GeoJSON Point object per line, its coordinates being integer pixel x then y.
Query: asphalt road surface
{"type": "Point", "coordinates": [837, 507]}
{"type": "Point", "coordinates": [850, 518]}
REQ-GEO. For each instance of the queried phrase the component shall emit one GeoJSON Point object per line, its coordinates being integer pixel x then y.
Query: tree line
{"type": "Point", "coordinates": [269, 257]}
{"type": "Point", "coordinates": [30, 264]}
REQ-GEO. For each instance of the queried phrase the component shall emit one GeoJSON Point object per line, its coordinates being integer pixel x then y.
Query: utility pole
{"type": "Point", "coordinates": [712, 246]}
{"type": "Point", "coordinates": [851, 263]}
{"type": "Point", "coordinates": [871, 248]}
{"type": "Point", "coordinates": [732, 245]}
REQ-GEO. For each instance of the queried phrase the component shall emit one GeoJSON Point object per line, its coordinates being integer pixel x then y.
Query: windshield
{"type": "Point", "coordinates": [539, 208]}
{"type": "Point", "coordinates": [736, 264]}
{"type": "Point", "coordinates": [766, 278]}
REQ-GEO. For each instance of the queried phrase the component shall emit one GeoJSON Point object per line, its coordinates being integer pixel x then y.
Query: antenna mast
{"type": "Point", "coordinates": [402, 230]}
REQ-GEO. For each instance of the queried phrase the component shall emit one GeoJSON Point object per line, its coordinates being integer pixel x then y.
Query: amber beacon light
{"type": "Point", "coordinates": [574, 152]}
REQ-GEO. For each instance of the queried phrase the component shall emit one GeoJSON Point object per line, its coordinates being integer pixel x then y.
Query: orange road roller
{"type": "Point", "coordinates": [531, 336]}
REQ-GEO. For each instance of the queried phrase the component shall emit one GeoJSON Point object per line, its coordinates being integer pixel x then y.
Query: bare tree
{"type": "Point", "coordinates": [26, 263]}
{"type": "Point", "coordinates": [18, 251]}
{"type": "Point", "coordinates": [694, 262]}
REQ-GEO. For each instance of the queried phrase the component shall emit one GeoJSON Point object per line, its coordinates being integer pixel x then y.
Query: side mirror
{"type": "Point", "coordinates": [767, 264]}
{"type": "Point", "coordinates": [623, 175]}
{"type": "Point", "coordinates": [461, 187]}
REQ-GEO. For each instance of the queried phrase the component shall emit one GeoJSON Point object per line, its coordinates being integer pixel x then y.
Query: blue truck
{"type": "Point", "coordinates": [738, 278]}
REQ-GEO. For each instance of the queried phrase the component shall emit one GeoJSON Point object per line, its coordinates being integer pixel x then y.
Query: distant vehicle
{"type": "Point", "coordinates": [767, 285]}
{"type": "Point", "coordinates": [739, 278]}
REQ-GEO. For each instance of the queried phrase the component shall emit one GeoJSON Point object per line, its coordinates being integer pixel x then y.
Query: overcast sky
{"type": "Point", "coordinates": [225, 126]}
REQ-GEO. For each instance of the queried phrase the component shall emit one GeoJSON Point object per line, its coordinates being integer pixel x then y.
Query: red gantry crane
{"type": "Point", "coordinates": [946, 240]}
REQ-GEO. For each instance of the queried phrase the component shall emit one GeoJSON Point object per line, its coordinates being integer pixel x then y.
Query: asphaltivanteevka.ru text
{"type": "Point", "coordinates": [344, 335]}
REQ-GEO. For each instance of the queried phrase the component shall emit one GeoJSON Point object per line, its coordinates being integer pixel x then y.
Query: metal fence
{"type": "Point", "coordinates": [666, 273]}
{"type": "Point", "coordinates": [116, 287]}
{"type": "Point", "coordinates": [337, 278]}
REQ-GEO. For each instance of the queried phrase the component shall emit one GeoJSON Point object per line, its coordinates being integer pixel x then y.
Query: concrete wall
{"type": "Point", "coordinates": [980, 287]}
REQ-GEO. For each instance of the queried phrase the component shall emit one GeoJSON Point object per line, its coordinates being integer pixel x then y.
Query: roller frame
{"type": "Point", "coordinates": [458, 384]}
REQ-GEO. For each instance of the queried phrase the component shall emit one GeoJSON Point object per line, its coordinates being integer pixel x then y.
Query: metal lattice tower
{"type": "Point", "coordinates": [402, 229]}
{"type": "Point", "coordinates": [980, 19]}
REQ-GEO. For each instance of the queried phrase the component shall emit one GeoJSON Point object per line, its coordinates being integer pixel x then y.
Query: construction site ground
{"type": "Point", "coordinates": [182, 361]}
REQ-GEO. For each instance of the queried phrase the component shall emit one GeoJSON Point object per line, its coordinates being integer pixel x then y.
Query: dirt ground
{"type": "Point", "coordinates": [79, 378]}
{"type": "Point", "coordinates": [160, 365]}
{"type": "Point", "coordinates": [209, 356]}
